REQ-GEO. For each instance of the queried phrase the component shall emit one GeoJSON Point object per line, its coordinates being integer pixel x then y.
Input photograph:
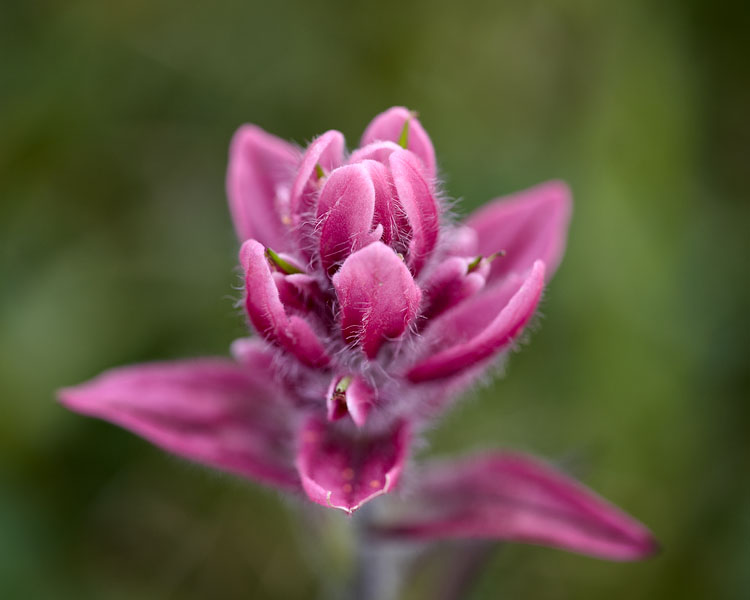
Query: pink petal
{"type": "Point", "coordinates": [343, 469]}
{"type": "Point", "coordinates": [345, 210]}
{"type": "Point", "coordinates": [419, 206]}
{"type": "Point", "coordinates": [326, 152]}
{"type": "Point", "coordinates": [377, 295]}
{"type": "Point", "coordinates": [208, 410]}
{"type": "Point", "coordinates": [263, 305]}
{"type": "Point", "coordinates": [350, 395]}
{"type": "Point", "coordinates": [268, 315]}
{"type": "Point", "coordinates": [469, 332]}
{"type": "Point", "coordinates": [388, 126]}
{"type": "Point", "coordinates": [530, 225]}
{"type": "Point", "coordinates": [388, 212]}
{"type": "Point", "coordinates": [514, 497]}
{"type": "Point", "coordinates": [261, 167]}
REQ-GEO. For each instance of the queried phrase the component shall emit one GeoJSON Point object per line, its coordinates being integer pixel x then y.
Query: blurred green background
{"type": "Point", "coordinates": [117, 247]}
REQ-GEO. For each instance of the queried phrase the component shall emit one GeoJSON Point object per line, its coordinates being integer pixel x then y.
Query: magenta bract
{"type": "Point", "coordinates": [512, 497]}
{"type": "Point", "coordinates": [373, 311]}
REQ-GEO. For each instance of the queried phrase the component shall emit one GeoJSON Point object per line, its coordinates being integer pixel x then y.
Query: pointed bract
{"type": "Point", "coordinates": [530, 225]}
{"type": "Point", "coordinates": [471, 335]}
{"type": "Point", "coordinates": [210, 411]}
{"type": "Point", "coordinates": [516, 498]}
{"type": "Point", "coordinates": [389, 126]}
{"type": "Point", "coordinates": [258, 184]}
{"type": "Point", "coordinates": [323, 155]}
{"type": "Point", "coordinates": [268, 315]}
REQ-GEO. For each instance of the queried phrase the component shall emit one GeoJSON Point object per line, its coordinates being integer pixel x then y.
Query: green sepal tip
{"type": "Point", "coordinates": [281, 264]}
{"type": "Point", "coordinates": [343, 384]}
{"type": "Point", "coordinates": [498, 254]}
{"type": "Point", "coordinates": [472, 266]}
{"type": "Point", "coordinates": [403, 139]}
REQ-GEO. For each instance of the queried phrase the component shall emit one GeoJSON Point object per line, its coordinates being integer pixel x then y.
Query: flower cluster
{"type": "Point", "coordinates": [374, 311]}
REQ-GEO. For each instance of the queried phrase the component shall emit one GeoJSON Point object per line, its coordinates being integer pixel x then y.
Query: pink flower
{"type": "Point", "coordinates": [373, 313]}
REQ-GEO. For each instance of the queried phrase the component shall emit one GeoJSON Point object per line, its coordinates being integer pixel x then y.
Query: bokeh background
{"type": "Point", "coordinates": [117, 248]}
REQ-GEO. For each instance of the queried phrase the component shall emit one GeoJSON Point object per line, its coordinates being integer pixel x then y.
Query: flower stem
{"type": "Point", "coordinates": [377, 571]}
{"type": "Point", "coordinates": [470, 561]}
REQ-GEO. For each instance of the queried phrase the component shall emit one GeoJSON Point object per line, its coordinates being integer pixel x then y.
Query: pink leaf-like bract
{"type": "Point", "coordinates": [210, 411]}
{"type": "Point", "coordinates": [528, 226]}
{"type": "Point", "coordinates": [260, 165]}
{"type": "Point", "coordinates": [389, 126]}
{"type": "Point", "coordinates": [513, 497]}
{"type": "Point", "coordinates": [470, 332]}
{"type": "Point", "coordinates": [325, 153]}
{"type": "Point", "coordinates": [268, 315]}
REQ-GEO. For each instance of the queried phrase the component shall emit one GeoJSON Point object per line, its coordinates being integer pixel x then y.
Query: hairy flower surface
{"type": "Point", "coordinates": [374, 311]}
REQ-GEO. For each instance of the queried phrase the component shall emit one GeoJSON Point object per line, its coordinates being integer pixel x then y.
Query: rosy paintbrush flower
{"type": "Point", "coordinates": [373, 312]}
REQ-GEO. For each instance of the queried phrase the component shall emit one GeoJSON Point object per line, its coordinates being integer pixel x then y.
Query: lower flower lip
{"type": "Point", "coordinates": [345, 472]}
